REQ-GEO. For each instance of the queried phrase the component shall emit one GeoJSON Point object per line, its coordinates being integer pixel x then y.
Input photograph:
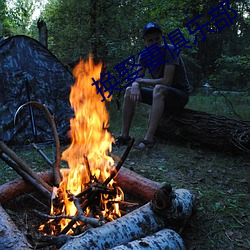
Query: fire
{"type": "Point", "coordinates": [88, 155]}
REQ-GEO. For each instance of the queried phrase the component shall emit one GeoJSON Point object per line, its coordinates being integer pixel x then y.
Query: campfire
{"type": "Point", "coordinates": [87, 198]}
{"type": "Point", "coordinates": [87, 188]}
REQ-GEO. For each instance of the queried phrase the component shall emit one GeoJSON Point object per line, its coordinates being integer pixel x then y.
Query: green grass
{"type": "Point", "coordinates": [220, 181]}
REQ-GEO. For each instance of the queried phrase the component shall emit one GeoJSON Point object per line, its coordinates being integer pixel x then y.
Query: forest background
{"type": "Point", "coordinates": [111, 30]}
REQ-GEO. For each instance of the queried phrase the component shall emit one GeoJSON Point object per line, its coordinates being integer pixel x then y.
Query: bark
{"type": "Point", "coordinates": [138, 223]}
{"type": "Point", "coordinates": [212, 131]}
{"type": "Point", "coordinates": [43, 32]}
{"type": "Point", "coordinates": [23, 165]}
{"type": "Point", "coordinates": [136, 185]}
{"type": "Point", "coordinates": [18, 187]}
{"type": "Point", "coordinates": [163, 239]}
{"type": "Point", "coordinates": [131, 182]}
{"type": "Point", "coordinates": [10, 237]}
{"type": "Point", "coordinates": [150, 218]}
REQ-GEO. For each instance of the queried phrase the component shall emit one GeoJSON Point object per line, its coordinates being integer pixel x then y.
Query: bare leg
{"type": "Point", "coordinates": [156, 112]}
{"type": "Point", "coordinates": [127, 113]}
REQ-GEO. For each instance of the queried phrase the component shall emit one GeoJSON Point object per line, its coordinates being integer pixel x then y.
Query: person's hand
{"type": "Point", "coordinates": [135, 93]}
{"type": "Point", "coordinates": [139, 80]}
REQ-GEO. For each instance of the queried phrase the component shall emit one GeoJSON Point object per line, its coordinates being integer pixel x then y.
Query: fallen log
{"type": "Point", "coordinates": [148, 219]}
{"type": "Point", "coordinates": [10, 237]}
{"type": "Point", "coordinates": [163, 239]}
{"type": "Point", "coordinates": [212, 131]}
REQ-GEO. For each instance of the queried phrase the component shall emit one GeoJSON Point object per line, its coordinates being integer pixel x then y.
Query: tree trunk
{"type": "Point", "coordinates": [10, 237]}
{"type": "Point", "coordinates": [43, 32]}
{"type": "Point", "coordinates": [212, 131]}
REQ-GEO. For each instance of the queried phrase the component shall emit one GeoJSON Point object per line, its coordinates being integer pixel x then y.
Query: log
{"type": "Point", "coordinates": [22, 164]}
{"type": "Point", "coordinates": [136, 185]}
{"type": "Point", "coordinates": [18, 187]}
{"type": "Point", "coordinates": [10, 237]}
{"type": "Point", "coordinates": [148, 219]}
{"type": "Point", "coordinates": [211, 131]}
{"type": "Point", "coordinates": [131, 182]}
{"type": "Point", "coordinates": [163, 239]}
{"type": "Point", "coordinates": [26, 176]}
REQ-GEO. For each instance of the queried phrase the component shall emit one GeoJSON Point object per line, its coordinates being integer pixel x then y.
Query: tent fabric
{"type": "Point", "coordinates": [29, 71]}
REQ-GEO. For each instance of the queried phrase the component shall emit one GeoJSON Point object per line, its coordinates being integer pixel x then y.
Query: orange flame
{"type": "Point", "coordinates": [90, 139]}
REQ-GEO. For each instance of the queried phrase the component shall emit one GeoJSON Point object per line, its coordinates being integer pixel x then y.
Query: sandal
{"type": "Point", "coordinates": [121, 141]}
{"type": "Point", "coordinates": [146, 144]}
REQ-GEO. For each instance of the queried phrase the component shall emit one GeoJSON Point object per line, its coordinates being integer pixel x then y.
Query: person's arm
{"type": "Point", "coordinates": [166, 80]}
{"type": "Point", "coordinates": [135, 93]}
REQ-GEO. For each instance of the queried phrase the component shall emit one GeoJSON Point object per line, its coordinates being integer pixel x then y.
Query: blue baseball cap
{"type": "Point", "coordinates": [150, 26]}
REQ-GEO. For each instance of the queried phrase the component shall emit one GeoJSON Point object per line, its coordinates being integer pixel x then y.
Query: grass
{"type": "Point", "coordinates": [219, 180]}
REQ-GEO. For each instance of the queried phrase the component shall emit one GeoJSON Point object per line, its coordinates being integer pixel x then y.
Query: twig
{"type": "Point", "coordinates": [120, 163]}
{"type": "Point", "coordinates": [42, 154]}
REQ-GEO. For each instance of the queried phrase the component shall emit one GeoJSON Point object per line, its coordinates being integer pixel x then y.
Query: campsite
{"type": "Point", "coordinates": [65, 182]}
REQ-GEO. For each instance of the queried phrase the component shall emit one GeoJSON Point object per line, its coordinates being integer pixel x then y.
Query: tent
{"type": "Point", "coordinates": [30, 72]}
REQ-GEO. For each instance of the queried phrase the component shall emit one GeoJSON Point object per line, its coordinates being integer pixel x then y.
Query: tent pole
{"type": "Point", "coordinates": [33, 125]}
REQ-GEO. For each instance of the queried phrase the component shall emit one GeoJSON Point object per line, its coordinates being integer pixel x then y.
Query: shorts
{"type": "Point", "coordinates": [174, 100]}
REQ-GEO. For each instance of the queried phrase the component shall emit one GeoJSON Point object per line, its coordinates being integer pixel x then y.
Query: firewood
{"type": "Point", "coordinates": [132, 183]}
{"type": "Point", "coordinates": [136, 185]}
{"type": "Point", "coordinates": [26, 176]}
{"type": "Point", "coordinates": [150, 218]}
{"type": "Point", "coordinates": [163, 239]}
{"type": "Point", "coordinates": [23, 165]}
{"type": "Point", "coordinates": [10, 237]}
{"type": "Point", "coordinates": [18, 187]}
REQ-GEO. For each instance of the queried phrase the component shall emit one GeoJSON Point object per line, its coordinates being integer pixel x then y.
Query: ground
{"type": "Point", "coordinates": [219, 180]}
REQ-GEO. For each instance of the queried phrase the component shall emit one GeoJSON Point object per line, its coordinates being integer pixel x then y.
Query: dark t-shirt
{"type": "Point", "coordinates": [180, 80]}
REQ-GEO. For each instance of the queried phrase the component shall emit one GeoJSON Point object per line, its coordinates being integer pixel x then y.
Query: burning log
{"type": "Point", "coordinates": [165, 210]}
{"type": "Point", "coordinates": [10, 237]}
{"type": "Point", "coordinates": [163, 239]}
{"type": "Point", "coordinates": [216, 132]}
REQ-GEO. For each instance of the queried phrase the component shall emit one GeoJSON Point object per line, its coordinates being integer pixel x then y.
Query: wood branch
{"type": "Point", "coordinates": [120, 163]}
{"type": "Point", "coordinates": [18, 187]}
{"type": "Point", "coordinates": [26, 176]}
{"type": "Point", "coordinates": [10, 237]}
{"type": "Point", "coordinates": [23, 165]}
{"type": "Point", "coordinates": [163, 239]}
{"type": "Point", "coordinates": [212, 131]}
{"type": "Point", "coordinates": [143, 221]}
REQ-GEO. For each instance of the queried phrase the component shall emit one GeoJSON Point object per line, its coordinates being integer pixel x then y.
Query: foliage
{"type": "Point", "coordinates": [111, 30]}
{"type": "Point", "coordinates": [232, 72]}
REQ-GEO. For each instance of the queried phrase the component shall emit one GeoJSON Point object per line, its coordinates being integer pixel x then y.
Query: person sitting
{"type": "Point", "coordinates": [168, 90]}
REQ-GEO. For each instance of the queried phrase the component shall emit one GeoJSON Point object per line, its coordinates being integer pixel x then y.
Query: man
{"type": "Point", "coordinates": [169, 87]}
